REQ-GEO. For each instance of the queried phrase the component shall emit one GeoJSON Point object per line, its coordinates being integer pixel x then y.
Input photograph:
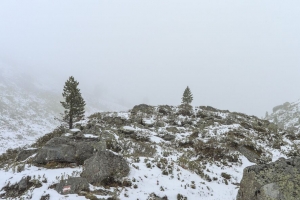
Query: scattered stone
{"type": "Point", "coordinates": [45, 197]}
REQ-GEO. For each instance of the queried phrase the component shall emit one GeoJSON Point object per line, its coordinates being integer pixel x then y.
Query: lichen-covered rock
{"type": "Point", "coordinates": [72, 185]}
{"type": "Point", "coordinates": [279, 180]}
{"type": "Point", "coordinates": [104, 165]}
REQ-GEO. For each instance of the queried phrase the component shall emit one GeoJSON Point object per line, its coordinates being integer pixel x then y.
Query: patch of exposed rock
{"type": "Point", "coordinates": [104, 165]}
{"type": "Point", "coordinates": [279, 180]}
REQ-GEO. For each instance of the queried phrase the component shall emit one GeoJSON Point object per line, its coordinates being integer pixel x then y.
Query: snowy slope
{"type": "Point", "coordinates": [26, 111]}
{"type": "Point", "coordinates": [28, 106]}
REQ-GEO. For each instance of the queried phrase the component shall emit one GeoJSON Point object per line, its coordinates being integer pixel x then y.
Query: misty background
{"type": "Point", "coordinates": [237, 55]}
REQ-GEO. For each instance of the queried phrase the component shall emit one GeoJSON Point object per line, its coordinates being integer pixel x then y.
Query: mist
{"type": "Point", "coordinates": [236, 55]}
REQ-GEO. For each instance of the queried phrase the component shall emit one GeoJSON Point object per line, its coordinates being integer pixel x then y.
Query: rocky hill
{"type": "Point", "coordinates": [286, 116]}
{"type": "Point", "coordinates": [162, 152]}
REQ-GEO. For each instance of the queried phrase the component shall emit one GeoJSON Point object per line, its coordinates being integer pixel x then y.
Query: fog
{"type": "Point", "coordinates": [237, 55]}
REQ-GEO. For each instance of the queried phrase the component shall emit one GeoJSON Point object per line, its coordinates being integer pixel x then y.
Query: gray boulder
{"type": "Point", "coordinates": [104, 165]}
{"type": "Point", "coordinates": [72, 185]}
{"type": "Point", "coordinates": [65, 150]}
{"type": "Point", "coordinates": [26, 153]}
{"type": "Point", "coordinates": [250, 154]}
{"type": "Point", "coordinates": [172, 129]}
{"type": "Point", "coordinates": [168, 137]}
{"type": "Point", "coordinates": [279, 180]}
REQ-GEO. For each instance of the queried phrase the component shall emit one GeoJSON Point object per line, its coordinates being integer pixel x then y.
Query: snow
{"type": "Point", "coordinates": [51, 175]}
{"type": "Point", "coordinates": [74, 130]}
{"type": "Point", "coordinates": [90, 136]}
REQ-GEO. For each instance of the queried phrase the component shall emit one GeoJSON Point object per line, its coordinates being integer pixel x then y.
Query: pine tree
{"type": "Point", "coordinates": [74, 103]}
{"type": "Point", "coordinates": [187, 97]}
{"type": "Point", "coordinates": [267, 114]}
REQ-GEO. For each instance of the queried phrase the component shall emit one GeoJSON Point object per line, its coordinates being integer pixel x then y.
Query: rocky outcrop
{"type": "Point", "coordinates": [114, 121]}
{"type": "Point", "coordinates": [66, 150]}
{"type": "Point", "coordinates": [279, 180]}
{"type": "Point", "coordinates": [143, 108]}
{"type": "Point", "coordinates": [104, 165]}
{"type": "Point", "coordinates": [165, 109]}
{"type": "Point", "coordinates": [72, 186]}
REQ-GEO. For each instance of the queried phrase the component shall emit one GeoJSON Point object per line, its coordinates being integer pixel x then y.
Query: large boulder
{"type": "Point", "coordinates": [279, 180]}
{"type": "Point", "coordinates": [104, 165]}
{"type": "Point", "coordinates": [143, 108]}
{"type": "Point", "coordinates": [66, 150]}
{"type": "Point", "coordinates": [72, 185]}
{"type": "Point", "coordinates": [165, 109]}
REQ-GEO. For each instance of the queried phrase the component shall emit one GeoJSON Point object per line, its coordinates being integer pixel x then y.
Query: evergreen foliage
{"type": "Point", "coordinates": [187, 97]}
{"type": "Point", "coordinates": [74, 103]}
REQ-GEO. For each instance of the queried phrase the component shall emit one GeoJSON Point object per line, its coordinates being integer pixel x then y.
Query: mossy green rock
{"type": "Point", "coordinates": [279, 180]}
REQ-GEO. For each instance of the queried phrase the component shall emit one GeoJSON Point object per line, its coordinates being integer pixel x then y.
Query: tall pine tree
{"type": "Point", "coordinates": [187, 97]}
{"type": "Point", "coordinates": [74, 103]}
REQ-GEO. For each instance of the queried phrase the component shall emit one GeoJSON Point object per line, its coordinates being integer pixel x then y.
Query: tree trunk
{"type": "Point", "coordinates": [71, 122]}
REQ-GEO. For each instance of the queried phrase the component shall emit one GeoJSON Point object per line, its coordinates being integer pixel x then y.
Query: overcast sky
{"type": "Point", "coordinates": [238, 55]}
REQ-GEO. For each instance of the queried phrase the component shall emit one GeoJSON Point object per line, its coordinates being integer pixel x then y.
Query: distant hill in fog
{"type": "Point", "coordinates": [286, 116]}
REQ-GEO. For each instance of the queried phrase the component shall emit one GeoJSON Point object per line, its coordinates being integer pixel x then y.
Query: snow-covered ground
{"type": "Point", "coordinates": [169, 171]}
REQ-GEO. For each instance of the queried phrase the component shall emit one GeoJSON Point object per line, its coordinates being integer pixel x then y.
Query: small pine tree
{"type": "Point", "coordinates": [267, 114]}
{"type": "Point", "coordinates": [187, 97]}
{"type": "Point", "coordinates": [74, 103]}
